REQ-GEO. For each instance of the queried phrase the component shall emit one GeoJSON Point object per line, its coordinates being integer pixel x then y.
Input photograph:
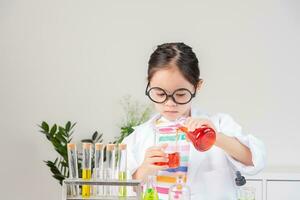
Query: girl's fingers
{"type": "Point", "coordinates": [156, 153]}
{"type": "Point", "coordinates": [193, 125]}
{"type": "Point", "coordinates": [157, 150]}
{"type": "Point", "coordinates": [157, 159]}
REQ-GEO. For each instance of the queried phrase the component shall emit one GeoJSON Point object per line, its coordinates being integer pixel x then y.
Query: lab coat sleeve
{"type": "Point", "coordinates": [229, 127]}
{"type": "Point", "coordinates": [132, 163]}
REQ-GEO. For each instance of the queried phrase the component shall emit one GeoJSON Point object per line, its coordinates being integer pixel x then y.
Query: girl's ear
{"type": "Point", "coordinates": [199, 85]}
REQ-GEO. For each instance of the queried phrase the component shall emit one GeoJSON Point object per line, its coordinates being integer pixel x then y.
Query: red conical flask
{"type": "Point", "coordinates": [203, 138]}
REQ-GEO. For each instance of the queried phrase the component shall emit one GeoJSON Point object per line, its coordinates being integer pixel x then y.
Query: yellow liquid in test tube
{"type": "Point", "coordinates": [86, 189]}
{"type": "Point", "coordinates": [86, 168]}
{"type": "Point", "coordinates": [122, 189]}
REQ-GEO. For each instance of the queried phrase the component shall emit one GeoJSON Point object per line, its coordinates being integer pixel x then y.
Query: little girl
{"type": "Point", "coordinates": [173, 82]}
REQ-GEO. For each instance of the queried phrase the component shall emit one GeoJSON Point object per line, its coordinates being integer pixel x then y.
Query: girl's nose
{"type": "Point", "coordinates": [170, 102]}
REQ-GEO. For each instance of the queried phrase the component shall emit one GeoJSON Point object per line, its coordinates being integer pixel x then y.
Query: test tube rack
{"type": "Point", "coordinates": [132, 183]}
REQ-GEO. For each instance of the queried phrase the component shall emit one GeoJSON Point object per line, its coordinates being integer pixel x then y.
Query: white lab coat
{"type": "Point", "coordinates": [210, 174]}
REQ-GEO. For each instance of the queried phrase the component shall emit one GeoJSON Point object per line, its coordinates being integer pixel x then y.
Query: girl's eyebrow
{"type": "Point", "coordinates": [168, 91]}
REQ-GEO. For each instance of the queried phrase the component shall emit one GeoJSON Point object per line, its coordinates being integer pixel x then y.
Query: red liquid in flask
{"type": "Point", "coordinates": [203, 138]}
{"type": "Point", "coordinates": [174, 160]}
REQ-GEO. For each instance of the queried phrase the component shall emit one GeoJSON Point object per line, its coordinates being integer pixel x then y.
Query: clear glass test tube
{"type": "Point", "coordinates": [86, 168]}
{"type": "Point", "coordinates": [111, 168]}
{"type": "Point", "coordinates": [73, 167]}
{"type": "Point", "coordinates": [122, 168]}
{"type": "Point", "coordinates": [98, 168]}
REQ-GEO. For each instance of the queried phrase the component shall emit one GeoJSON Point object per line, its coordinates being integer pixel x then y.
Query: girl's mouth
{"type": "Point", "coordinates": [171, 112]}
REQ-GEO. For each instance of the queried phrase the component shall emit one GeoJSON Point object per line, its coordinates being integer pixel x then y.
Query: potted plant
{"type": "Point", "coordinates": [59, 137]}
{"type": "Point", "coordinates": [135, 114]}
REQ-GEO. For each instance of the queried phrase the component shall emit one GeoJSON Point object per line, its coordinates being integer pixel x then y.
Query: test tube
{"type": "Point", "coordinates": [111, 169]}
{"type": "Point", "coordinates": [122, 168]}
{"type": "Point", "coordinates": [73, 168]}
{"type": "Point", "coordinates": [98, 170]}
{"type": "Point", "coordinates": [86, 168]}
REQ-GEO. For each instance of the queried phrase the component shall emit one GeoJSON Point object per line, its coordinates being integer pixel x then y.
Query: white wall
{"type": "Point", "coordinates": [74, 60]}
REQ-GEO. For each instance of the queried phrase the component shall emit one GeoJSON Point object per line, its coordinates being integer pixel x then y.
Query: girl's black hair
{"type": "Point", "coordinates": [179, 54]}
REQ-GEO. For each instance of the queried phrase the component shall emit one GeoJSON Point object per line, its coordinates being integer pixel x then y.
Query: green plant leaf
{"type": "Point", "coordinates": [60, 178]}
{"type": "Point", "coordinates": [87, 141]}
{"type": "Point", "coordinates": [94, 136]}
{"type": "Point", "coordinates": [62, 131]}
{"type": "Point", "coordinates": [45, 126]}
{"type": "Point", "coordinates": [71, 132]}
{"type": "Point", "coordinates": [64, 170]}
{"type": "Point", "coordinates": [68, 126]}
{"type": "Point", "coordinates": [55, 161]}
{"type": "Point", "coordinates": [99, 139]}
{"type": "Point", "coordinates": [61, 138]}
{"type": "Point", "coordinates": [64, 163]}
{"type": "Point", "coordinates": [53, 130]}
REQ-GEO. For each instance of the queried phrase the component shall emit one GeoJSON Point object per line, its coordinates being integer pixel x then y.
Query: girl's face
{"type": "Point", "coordinates": [170, 79]}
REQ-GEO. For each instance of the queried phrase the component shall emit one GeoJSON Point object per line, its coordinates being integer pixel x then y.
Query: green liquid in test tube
{"type": "Point", "coordinates": [122, 168]}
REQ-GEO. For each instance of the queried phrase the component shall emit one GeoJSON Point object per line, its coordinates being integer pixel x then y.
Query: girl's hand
{"type": "Point", "coordinates": [194, 123]}
{"type": "Point", "coordinates": [230, 145]}
{"type": "Point", "coordinates": [153, 155]}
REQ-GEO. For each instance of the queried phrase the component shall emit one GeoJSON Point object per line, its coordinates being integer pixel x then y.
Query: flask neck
{"type": "Point", "coordinates": [150, 182]}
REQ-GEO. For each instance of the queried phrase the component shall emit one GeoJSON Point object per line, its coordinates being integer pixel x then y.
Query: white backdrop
{"type": "Point", "coordinates": [75, 60]}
